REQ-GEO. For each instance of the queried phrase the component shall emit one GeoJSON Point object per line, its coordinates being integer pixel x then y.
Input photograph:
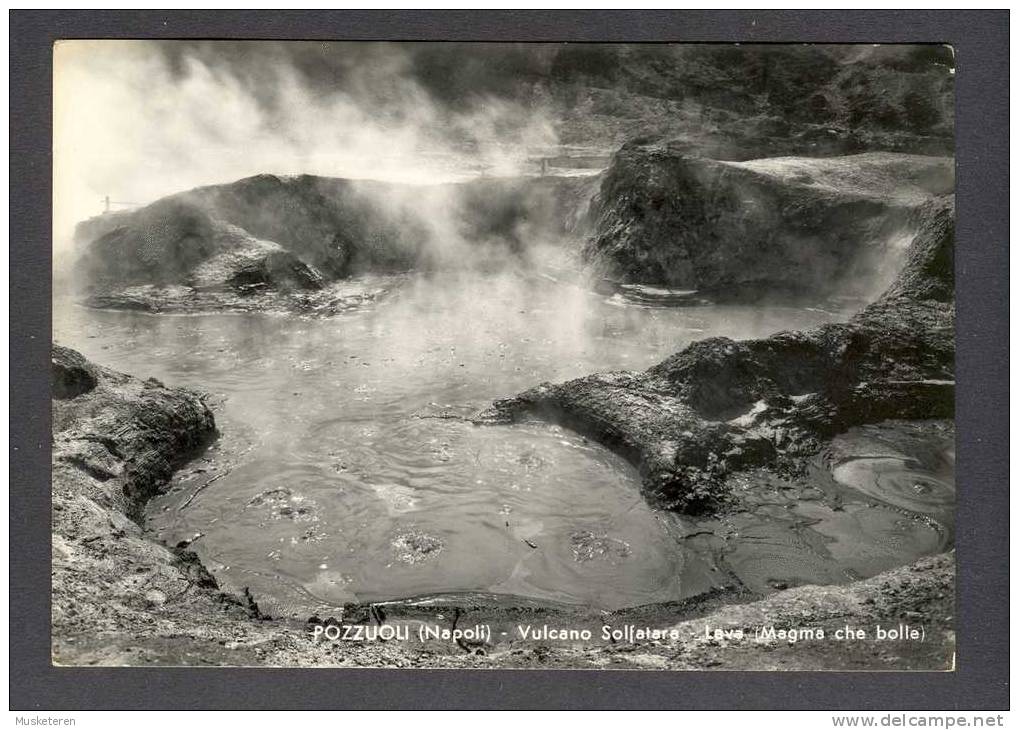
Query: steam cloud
{"type": "Point", "coordinates": [137, 120]}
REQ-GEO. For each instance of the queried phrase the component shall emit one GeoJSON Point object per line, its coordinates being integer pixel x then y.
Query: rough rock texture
{"type": "Point", "coordinates": [721, 405]}
{"type": "Point", "coordinates": [725, 101]}
{"type": "Point", "coordinates": [294, 235]}
{"type": "Point", "coordinates": [920, 596]}
{"type": "Point", "coordinates": [72, 374]}
{"type": "Point", "coordinates": [742, 229]}
{"type": "Point", "coordinates": [172, 243]}
{"type": "Point", "coordinates": [114, 445]}
{"type": "Point", "coordinates": [120, 598]}
{"type": "Point", "coordinates": [742, 102]}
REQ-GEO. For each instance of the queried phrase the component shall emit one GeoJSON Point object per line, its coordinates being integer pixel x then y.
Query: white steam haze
{"type": "Point", "coordinates": [137, 120]}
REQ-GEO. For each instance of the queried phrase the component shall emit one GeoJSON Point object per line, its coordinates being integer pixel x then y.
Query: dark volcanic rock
{"type": "Point", "coordinates": [743, 229]}
{"type": "Point", "coordinates": [349, 227]}
{"type": "Point", "coordinates": [176, 242]}
{"type": "Point", "coordinates": [339, 226]}
{"type": "Point", "coordinates": [746, 101]}
{"type": "Point", "coordinates": [158, 244]}
{"type": "Point", "coordinates": [277, 269]}
{"type": "Point", "coordinates": [270, 234]}
{"type": "Point", "coordinates": [122, 426]}
{"type": "Point", "coordinates": [721, 405]}
{"type": "Point", "coordinates": [72, 374]}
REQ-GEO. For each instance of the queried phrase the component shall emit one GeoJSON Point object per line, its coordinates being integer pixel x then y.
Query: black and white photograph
{"type": "Point", "coordinates": [509, 359]}
{"type": "Point", "coordinates": [503, 355]}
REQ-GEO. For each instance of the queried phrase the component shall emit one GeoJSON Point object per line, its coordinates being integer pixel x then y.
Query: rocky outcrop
{"type": "Point", "coordinates": [739, 230]}
{"type": "Point", "coordinates": [72, 374]}
{"type": "Point", "coordinates": [175, 243]}
{"type": "Point", "coordinates": [116, 440]}
{"type": "Point", "coordinates": [295, 235]}
{"type": "Point", "coordinates": [720, 405]}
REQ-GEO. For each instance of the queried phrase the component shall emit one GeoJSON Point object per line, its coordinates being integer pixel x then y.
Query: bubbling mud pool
{"type": "Point", "coordinates": [346, 469]}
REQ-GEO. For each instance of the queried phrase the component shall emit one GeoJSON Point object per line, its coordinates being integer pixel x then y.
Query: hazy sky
{"type": "Point", "coordinates": [137, 120]}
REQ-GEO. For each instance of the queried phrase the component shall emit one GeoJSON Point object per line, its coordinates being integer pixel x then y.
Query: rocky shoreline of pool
{"type": "Point", "coordinates": [122, 598]}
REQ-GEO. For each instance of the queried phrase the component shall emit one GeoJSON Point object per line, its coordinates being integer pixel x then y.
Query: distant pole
{"type": "Point", "coordinates": [107, 201]}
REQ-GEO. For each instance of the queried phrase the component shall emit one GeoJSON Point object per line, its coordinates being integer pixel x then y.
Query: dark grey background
{"type": "Point", "coordinates": [980, 39]}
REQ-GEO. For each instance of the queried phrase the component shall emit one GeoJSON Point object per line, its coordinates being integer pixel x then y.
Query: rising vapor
{"type": "Point", "coordinates": [139, 120]}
